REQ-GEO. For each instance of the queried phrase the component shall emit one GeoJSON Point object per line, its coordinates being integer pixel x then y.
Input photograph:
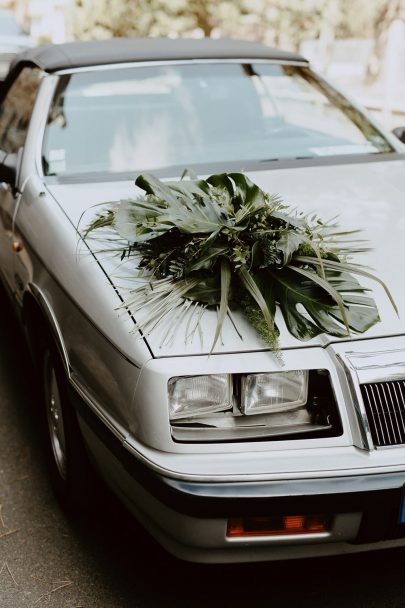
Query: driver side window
{"type": "Point", "coordinates": [16, 109]}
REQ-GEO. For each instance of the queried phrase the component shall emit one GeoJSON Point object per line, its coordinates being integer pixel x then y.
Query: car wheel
{"type": "Point", "coordinates": [71, 473]}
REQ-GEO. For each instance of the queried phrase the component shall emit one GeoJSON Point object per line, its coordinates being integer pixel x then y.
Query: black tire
{"type": "Point", "coordinates": [72, 476]}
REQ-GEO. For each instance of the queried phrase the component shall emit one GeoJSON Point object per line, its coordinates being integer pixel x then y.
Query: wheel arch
{"type": "Point", "coordinates": [40, 320]}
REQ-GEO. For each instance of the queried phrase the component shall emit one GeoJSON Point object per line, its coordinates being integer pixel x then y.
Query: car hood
{"type": "Point", "coordinates": [366, 195]}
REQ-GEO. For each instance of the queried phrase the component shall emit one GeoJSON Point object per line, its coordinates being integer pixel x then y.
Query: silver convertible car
{"type": "Point", "coordinates": [226, 456]}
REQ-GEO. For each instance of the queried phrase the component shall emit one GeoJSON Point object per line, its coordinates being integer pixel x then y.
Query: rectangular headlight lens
{"type": "Point", "coordinates": [197, 395]}
{"type": "Point", "coordinates": [274, 392]}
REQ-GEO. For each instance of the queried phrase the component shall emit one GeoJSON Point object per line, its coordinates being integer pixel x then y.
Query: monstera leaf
{"type": "Point", "coordinates": [295, 293]}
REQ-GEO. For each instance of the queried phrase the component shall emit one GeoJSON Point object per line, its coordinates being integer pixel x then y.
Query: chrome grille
{"type": "Point", "coordinates": [385, 408]}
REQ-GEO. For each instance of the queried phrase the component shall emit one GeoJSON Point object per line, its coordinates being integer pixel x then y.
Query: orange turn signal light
{"type": "Point", "coordinates": [277, 525]}
{"type": "Point", "coordinates": [16, 246]}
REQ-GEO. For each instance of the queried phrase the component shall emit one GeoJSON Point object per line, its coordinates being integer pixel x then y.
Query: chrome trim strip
{"type": "Point", "coordinates": [361, 415]}
{"type": "Point", "coordinates": [379, 366]}
{"type": "Point", "coordinates": [376, 419]}
{"type": "Point", "coordinates": [286, 539]}
{"type": "Point", "coordinates": [133, 64]}
{"type": "Point", "coordinates": [46, 308]}
{"type": "Point", "coordinates": [95, 407]}
{"type": "Point", "coordinates": [47, 90]}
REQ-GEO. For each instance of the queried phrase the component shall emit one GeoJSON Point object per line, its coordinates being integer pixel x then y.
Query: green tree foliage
{"type": "Point", "coordinates": [387, 11]}
{"type": "Point", "coordinates": [108, 18]}
{"type": "Point", "coordinates": [281, 22]}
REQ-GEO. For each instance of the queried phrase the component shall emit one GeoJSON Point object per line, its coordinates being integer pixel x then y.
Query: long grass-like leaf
{"type": "Point", "coordinates": [251, 287]}
{"type": "Point", "coordinates": [223, 306]}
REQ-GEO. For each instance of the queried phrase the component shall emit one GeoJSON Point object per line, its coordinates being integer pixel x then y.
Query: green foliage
{"type": "Point", "coordinates": [224, 243]}
{"type": "Point", "coordinates": [111, 18]}
{"type": "Point", "coordinates": [280, 22]}
{"type": "Point", "coordinates": [255, 317]}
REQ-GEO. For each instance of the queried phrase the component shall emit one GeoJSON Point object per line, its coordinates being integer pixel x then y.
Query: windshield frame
{"type": "Point", "coordinates": [174, 171]}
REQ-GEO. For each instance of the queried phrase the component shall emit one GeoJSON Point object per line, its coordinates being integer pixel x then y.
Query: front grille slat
{"type": "Point", "coordinates": [380, 418]}
{"type": "Point", "coordinates": [379, 407]}
{"type": "Point", "coordinates": [375, 418]}
{"type": "Point", "coordinates": [389, 413]}
{"type": "Point", "coordinates": [387, 389]}
{"type": "Point", "coordinates": [385, 408]}
{"type": "Point", "coordinates": [398, 399]}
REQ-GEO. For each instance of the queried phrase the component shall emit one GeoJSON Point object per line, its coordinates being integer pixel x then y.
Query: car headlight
{"type": "Point", "coordinates": [274, 406]}
{"type": "Point", "coordinates": [197, 395]}
{"type": "Point", "coordinates": [273, 392]}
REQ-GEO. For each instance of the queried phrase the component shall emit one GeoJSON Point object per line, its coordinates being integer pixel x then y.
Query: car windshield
{"type": "Point", "coordinates": [131, 119]}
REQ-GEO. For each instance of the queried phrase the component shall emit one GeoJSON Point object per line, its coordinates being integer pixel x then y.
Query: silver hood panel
{"type": "Point", "coordinates": [370, 196]}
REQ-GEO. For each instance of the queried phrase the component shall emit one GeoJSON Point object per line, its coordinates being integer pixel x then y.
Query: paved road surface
{"type": "Point", "coordinates": [109, 562]}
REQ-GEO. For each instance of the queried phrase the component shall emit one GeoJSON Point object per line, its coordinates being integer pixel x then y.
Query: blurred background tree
{"type": "Point", "coordinates": [388, 12]}
{"type": "Point", "coordinates": [108, 18]}
{"type": "Point", "coordinates": [358, 44]}
{"type": "Point", "coordinates": [289, 21]}
{"type": "Point", "coordinates": [282, 23]}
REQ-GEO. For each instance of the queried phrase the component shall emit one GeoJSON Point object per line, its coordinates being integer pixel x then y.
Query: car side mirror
{"type": "Point", "coordinates": [8, 167]}
{"type": "Point", "coordinates": [400, 133]}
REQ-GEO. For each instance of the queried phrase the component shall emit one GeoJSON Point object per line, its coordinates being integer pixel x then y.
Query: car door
{"type": "Point", "coordinates": [15, 112]}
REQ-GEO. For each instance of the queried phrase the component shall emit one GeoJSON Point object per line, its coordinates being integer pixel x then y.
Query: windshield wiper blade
{"type": "Point", "coordinates": [272, 160]}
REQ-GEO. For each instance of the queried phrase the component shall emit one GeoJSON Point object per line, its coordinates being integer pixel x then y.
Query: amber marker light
{"type": "Point", "coordinates": [277, 525]}
{"type": "Point", "coordinates": [16, 246]}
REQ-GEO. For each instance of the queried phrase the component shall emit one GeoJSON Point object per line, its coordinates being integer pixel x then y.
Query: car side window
{"type": "Point", "coordinates": [16, 109]}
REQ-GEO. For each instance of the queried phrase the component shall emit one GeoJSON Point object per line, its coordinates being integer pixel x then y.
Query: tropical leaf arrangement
{"type": "Point", "coordinates": [223, 243]}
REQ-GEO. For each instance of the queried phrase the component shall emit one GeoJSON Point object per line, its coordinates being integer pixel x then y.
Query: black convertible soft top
{"type": "Point", "coordinates": [54, 57]}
